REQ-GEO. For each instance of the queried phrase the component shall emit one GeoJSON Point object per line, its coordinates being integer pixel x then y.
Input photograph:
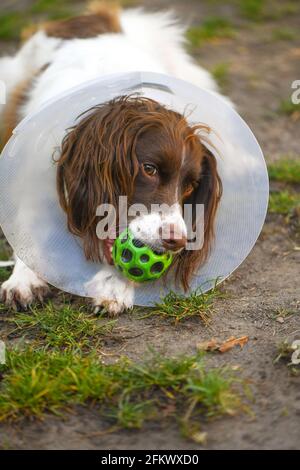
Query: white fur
{"type": "Point", "coordinates": [148, 42]}
{"type": "Point", "coordinates": [153, 227]}
{"type": "Point", "coordinates": [111, 291]}
{"type": "Point", "coordinates": [23, 286]}
{"type": "Point", "coordinates": [32, 56]}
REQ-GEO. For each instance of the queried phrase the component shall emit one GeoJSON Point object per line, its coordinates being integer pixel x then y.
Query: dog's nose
{"type": "Point", "coordinates": [174, 240]}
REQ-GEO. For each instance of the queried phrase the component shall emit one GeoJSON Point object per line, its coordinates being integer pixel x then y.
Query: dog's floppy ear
{"type": "Point", "coordinates": [208, 193]}
{"type": "Point", "coordinates": [97, 164]}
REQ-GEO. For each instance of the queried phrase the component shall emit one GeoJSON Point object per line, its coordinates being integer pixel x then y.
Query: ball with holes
{"type": "Point", "coordinates": [138, 262]}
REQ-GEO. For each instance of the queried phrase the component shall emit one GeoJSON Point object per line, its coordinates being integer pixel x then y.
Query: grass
{"type": "Point", "coordinates": [5, 251]}
{"type": "Point", "coordinates": [128, 3]}
{"type": "Point", "coordinates": [65, 327]}
{"type": "Point", "coordinates": [127, 393]}
{"type": "Point", "coordinates": [58, 370]}
{"type": "Point", "coordinates": [284, 34]}
{"type": "Point", "coordinates": [11, 25]}
{"type": "Point", "coordinates": [285, 351]}
{"type": "Point", "coordinates": [211, 28]}
{"type": "Point", "coordinates": [221, 74]}
{"type": "Point", "coordinates": [252, 9]}
{"type": "Point", "coordinates": [54, 9]}
{"type": "Point", "coordinates": [284, 202]}
{"type": "Point", "coordinates": [44, 6]}
{"type": "Point", "coordinates": [285, 170]}
{"type": "Point", "coordinates": [4, 274]}
{"type": "Point", "coordinates": [283, 312]}
{"type": "Point", "coordinates": [58, 367]}
{"type": "Point", "coordinates": [261, 10]}
{"type": "Point", "coordinates": [178, 307]}
{"type": "Point", "coordinates": [288, 108]}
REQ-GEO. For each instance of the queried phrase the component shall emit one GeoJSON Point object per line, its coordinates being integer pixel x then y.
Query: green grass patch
{"type": "Point", "coordinates": [128, 3]}
{"type": "Point", "coordinates": [284, 202]}
{"type": "Point", "coordinates": [5, 250]}
{"type": "Point", "coordinates": [279, 9]}
{"type": "Point", "coordinates": [4, 274]}
{"type": "Point", "coordinates": [282, 313]}
{"type": "Point", "coordinates": [262, 10]}
{"type": "Point", "coordinates": [254, 10]}
{"type": "Point", "coordinates": [36, 382]}
{"type": "Point", "coordinates": [289, 7]}
{"type": "Point", "coordinates": [54, 9]}
{"type": "Point", "coordinates": [211, 28]}
{"type": "Point", "coordinates": [286, 170]}
{"type": "Point", "coordinates": [284, 34]}
{"type": "Point", "coordinates": [178, 307]}
{"type": "Point", "coordinates": [220, 73]}
{"type": "Point", "coordinates": [288, 108]}
{"type": "Point", "coordinates": [11, 25]}
{"type": "Point", "coordinates": [65, 327]}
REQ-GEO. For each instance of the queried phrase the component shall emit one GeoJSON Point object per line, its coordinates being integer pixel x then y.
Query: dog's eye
{"type": "Point", "coordinates": [149, 169]}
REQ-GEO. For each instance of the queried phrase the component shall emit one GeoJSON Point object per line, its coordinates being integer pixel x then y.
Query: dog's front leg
{"type": "Point", "coordinates": [111, 291]}
{"type": "Point", "coordinates": [23, 288]}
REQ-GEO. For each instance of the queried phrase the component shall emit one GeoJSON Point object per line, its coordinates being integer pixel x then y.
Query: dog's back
{"type": "Point", "coordinates": [60, 55]}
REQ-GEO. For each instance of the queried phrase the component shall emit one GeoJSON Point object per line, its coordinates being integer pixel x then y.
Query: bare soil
{"type": "Point", "coordinates": [261, 71]}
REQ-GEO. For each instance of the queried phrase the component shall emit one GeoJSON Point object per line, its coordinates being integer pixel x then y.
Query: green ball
{"type": "Point", "coordinates": [138, 262]}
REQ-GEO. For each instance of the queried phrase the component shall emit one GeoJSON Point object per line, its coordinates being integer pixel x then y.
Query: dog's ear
{"type": "Point", "coordinates": [208, 193]}
{"type": "Point", "coordinates": [97, 164]}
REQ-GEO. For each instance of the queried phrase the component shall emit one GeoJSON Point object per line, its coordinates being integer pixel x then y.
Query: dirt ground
{"type": "Point", "coordinates": [260, 75]}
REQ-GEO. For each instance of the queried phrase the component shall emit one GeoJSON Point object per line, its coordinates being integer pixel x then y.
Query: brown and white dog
{"type": "Point", "coordinates": [129, 146]}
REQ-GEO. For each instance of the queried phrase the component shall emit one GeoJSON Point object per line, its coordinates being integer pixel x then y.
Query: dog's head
{"type": "Point", "coordinates": [135, 147]}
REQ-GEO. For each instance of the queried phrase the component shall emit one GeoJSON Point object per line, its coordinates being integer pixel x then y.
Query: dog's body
{"type": "Point", "coordinates": [66, 54]}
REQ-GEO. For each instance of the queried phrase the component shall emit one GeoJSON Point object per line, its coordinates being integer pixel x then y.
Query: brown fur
{"type": "Point", "coordinates": [11, 115]}
{"type": "Point", "coordinates": [12, 111]}
{"type": "Point", "coordinates": [209, 193]}
{"type": "Point", "coordinates": [102, 20]}
{"type": "Point", "coordinates": [102, 158]}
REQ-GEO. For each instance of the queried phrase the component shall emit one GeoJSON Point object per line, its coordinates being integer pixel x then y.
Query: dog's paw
{"type": "Point", "coordinates": [112, 306]}
{"type": "Point", "coordinates": [114, 299]}
{"type": "Point", "coordinates": [111, 293]}
{"type": "Point", "coordinates": [20, 292]}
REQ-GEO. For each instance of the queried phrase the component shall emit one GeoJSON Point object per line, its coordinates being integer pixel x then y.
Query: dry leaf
{"type": "Point", "coordinates": [215, 345]}
{"type": "Point", "coordinates": [199, 437]}
{"type": "Point", "coordinates": [231, 342]}
{"type": "Point", "coordinates": [295, 116]}
{"type": "Point", "coordinates": [211, 345]}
